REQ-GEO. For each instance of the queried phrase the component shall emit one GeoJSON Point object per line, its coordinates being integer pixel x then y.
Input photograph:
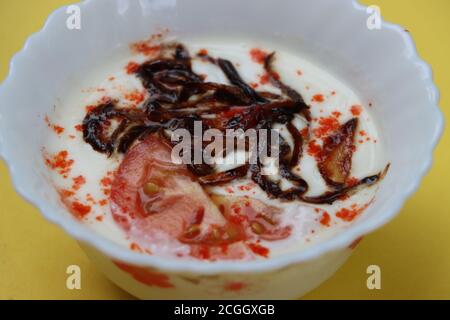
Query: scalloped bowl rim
{"type": "Point", "coordinates": [340, 241]}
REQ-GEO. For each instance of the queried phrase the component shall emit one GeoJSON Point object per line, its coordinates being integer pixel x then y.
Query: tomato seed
{"type": "Point", "coordinates": [150, 189]}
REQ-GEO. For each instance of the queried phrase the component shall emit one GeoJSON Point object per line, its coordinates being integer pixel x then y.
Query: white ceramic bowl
{"type": "Point", "coordinates": [382, 65]}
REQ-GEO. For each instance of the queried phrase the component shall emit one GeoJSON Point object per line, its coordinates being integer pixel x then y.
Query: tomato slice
{"type": "Point", "coordinates": [172, 203]}
{"type": "Point", "coordinates": [153, 200]}
{"type": "Point", "coordinates": [259, 220]}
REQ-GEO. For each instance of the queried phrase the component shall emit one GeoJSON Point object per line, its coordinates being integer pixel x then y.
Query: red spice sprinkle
{"type": "Point", "coordinates": [90, 199]}
{"type": "Point", "coordinates": [336, 114]}
{"type": "Point", "coordinates": [304, 132]}
{"type": "Point", "coordinates": [327, 125]}
{"type": "Point", "coordinates": [57, 129]}
{"type": "Point", "coordinates": [362, 132]}
{"type": "Point", "coordinates": [80, 210]}
{"type": "Point", "coordinates": [349, 214]}
{"type": "Point", "coordinates": [314, 149]}
{"type": "Point", "coordinates": [106, 182]}
{"type": "Point", "coordinates": [99, 218]}
{"type": "Point", "coordinates": [325, 220]}
{"type": "Point", "coordinates": [299, 72]}
{"type": "Point", "coordinates": [103, 202]}
{"type": "Point", "coordinates": [112, 78]}
{"type": "Point", "coordinates": [333, 93]}
{"type": "Point", "coordinates": [131, 67]}
{"type": "Point", "coordinates": [135, 96]}
{"type": "Point", "coordinates": [318, 98]}
{"type": "Point", "coordinates": [254, 85]}
{"type": "Point", "coordinates": [135, 247]}
{"type": "Point", "coordinates": [356, 110]}
{"type": "Point", "coordinates": [90, 108]}
{"type": "Point", "coordinates": [79, 127]}
{"type": "Point", "coordinates": [72, 136]}
{"type": "Point", "coordinates": [78, 182]}
{"type": "Point", "coordinates": [259, 249]}
{"type": "Point", "coordinates": [66, 193]}
{"type": "Point", "coordinates": [202, 52]}
{"type": "Point", "coordinates": [145, 48]}
{"type": "Point", "coordinates": [264, 79]}
{"type": "Point", "coordinates": [258, 55]}
{"type": "Point", "coordinates": [60, 161]}
{"type": "Point", "coordinates": [352, 181]}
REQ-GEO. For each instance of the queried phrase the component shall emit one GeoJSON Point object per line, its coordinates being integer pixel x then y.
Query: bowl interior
{"type": "Point", "coordinates": [381, 65]}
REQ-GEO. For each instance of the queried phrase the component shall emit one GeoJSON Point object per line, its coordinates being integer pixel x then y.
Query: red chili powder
{"type": "Point", "coordinates": [202, 52]}
{"type": "Point", "coordinates": [131, 67]}
{"type": "Point", "coordinates": [304, 132]}
{"type": "Point", "coordinates": [336, 114]}
{"type": "Point", "coordinates": [66, 193]}
{"type": "Point", "coordinates": [314, 149]}
{"type": "Point", "coordinates": [318, 98]}
{"type": "Point", "coordinates": [135, 247]}
{"type": "Point", "coordinates": [60, 161]}
{"type": "Point", "coordinates": [259, 249]}
{"type": "Point", "coordinates": [326, 126]}
{"type": "Point", "coordinates": [265, 78]}
{"type": "Point", "coordinates": [325, 220]}
{"type": "Point", "coordinates": [135, 96]}
{"type": "Point", "coordinates": [349, 214]}
{"type": "Point", "coordinates": [356, 110]}
{"type": "Point", "coordinates": [90, 108]}
{"type": "Point", "coordinates": [57, 129]}
{"type": "Point", "coordinates": [352, 181]}
{"type": "Point", "coordinates": [145, 48]}
{"type": "Point", "coordinates": [80, 210]}
{"type": "Point", "coordinates": [258, 55]}
{"type": "Point", "coordinates": [78, 182]}
{"type": "Point", "coordinates": [106, 182]}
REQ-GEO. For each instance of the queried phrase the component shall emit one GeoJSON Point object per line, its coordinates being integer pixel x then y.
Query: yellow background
{"type": "Point", "coordinates": [413, 251]}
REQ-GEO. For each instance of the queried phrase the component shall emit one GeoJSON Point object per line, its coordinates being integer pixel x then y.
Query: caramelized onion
{"type": "Point", "coordinates": [178, 97]}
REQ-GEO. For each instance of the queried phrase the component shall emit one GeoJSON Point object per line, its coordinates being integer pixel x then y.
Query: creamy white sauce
{"type": "Point", "coordinates": [110, 79]}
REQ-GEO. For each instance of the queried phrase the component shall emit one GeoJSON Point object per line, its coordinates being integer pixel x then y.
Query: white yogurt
{"type": "Point", "coordinates": [313, 82]}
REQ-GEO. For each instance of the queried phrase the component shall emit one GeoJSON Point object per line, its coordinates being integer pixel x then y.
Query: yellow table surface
{"type": "Point", "coordinates": [413, 251]}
